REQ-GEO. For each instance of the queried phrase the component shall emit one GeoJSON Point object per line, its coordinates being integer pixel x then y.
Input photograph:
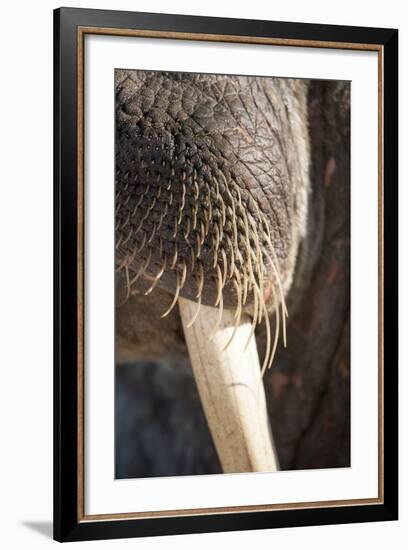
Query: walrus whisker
{"type": "Point", "coordinates": [183, 201]}
{"type": "Point", "coordinates": [275, 344]}
{"type": "Point", "coordinates": [202, 233]}
{"type": "Point", "coordinates": [176, 295]}
{"type": "Point", "coordinates": [122, 264]}
{"type": "Point", "coordinates": [238, 290]}
{"type": "Point", "coordinates": [205, 228]}
{"type": "Point", "coordinates": [127, 219]}
{"type": "Point", "coordinates": [217, 188]}
{"type": "Point", "coordinates": [175, 254]}
{"type": "Point", "coordinates": [278, 279]}
{"type": "Point", "coordinates": [260, 283]}
{"type": "Point", "coordinates": [158, 276]}
{"type": "Point", "coordinates": [187, 232]}
{"type": "Point", "coordinates": [127, 283]}
{"type": "Point", "coordinates": [183, 275]}
{"type": "Point", "coordinates": [152, 287]}
{"type": "Point", "coordinates": [219, 286]}
{"type": "Point", "coordinates": [142, 268]}
{"type": "Point", "coordinates": [223, 211]}
{"type": "Point", "coordinates": [198, 246]}
{"type": "Point", "coordinates": [259, 259]}
{"type": "Point", "coordinates": [139, 202]}
{"type": "Point", "coordinates": [197, 191]}
{"type": "Point", "coordinates": [245, 288]}
{"type": "Point", "coordinates": [225, 266]}
{"type": "Point", "coordinates": [201, 282]}
{"type": "Point", "coordinates": [118, 242]}
{"type": "Point", "coordinates": [197, 311]}
{"type": "Point", "coordinates": [217, 237]}
{"type": "Point", "coordinates": [231, 250]}
{"type": "Point", "coordinates": [194, 211]}
{"type": "Point", "coordinates": [152, 234]}
{"type": "Point", "coordinates": [143, 219]}
{"type": "Point", "coordinates": [193, 257]}
{"type": "Point", "coordinates": [152, 205]}
{"type": "Point", "coordinates": [128, 237]}
{"type": "Point", "coordinates": [143, 242]}
{"type": "Point", "coordinates": [162, 216]}
{"type": "Point", "coordinates": [268, 343]}
{"type": "Point", "coordinates": [282, 297]}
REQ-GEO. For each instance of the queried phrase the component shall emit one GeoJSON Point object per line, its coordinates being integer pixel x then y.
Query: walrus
{"type": "Point", "coordinates": [231, 191]}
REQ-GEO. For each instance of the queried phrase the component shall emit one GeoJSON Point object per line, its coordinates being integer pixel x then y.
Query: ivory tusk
{"type": "Point", "coordinates": [230, 389]}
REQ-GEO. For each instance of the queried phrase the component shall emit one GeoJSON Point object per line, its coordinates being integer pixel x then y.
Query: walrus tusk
{"type": "Point", "coordinates": [230, 389]}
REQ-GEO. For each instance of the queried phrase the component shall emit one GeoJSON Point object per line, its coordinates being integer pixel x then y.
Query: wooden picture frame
{"type": "Point", "coordinates": [71, 26]}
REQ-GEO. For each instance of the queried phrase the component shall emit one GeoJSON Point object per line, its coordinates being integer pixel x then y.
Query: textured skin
{"type": "Point", "coordinates": [304, 191]}
{"type": "Point", "coordinates": [245, 135]}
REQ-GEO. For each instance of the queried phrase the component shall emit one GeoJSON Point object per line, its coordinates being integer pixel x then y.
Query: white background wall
{"type": "Point", "coordinates": [26, 272]}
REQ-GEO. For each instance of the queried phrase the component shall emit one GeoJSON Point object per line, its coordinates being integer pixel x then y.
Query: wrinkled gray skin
{"type": "Point", "coordinates": [237, 134]}
{"type": "Point", "coordinates": [285, 143]}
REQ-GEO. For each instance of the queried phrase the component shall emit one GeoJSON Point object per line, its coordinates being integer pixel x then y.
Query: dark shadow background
{"type": "Point", "coordinates": [160, 425]}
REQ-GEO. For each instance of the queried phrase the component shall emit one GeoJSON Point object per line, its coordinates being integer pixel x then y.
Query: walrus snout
{"type": "Point", "coordinates": [206, 206]}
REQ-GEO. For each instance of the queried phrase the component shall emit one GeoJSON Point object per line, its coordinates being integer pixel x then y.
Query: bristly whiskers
{"type": "Point", "coordinates": [194, 234]}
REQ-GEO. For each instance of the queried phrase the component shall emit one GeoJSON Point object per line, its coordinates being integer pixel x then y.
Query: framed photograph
{"type": "Point", "coordinates": [225, 274]}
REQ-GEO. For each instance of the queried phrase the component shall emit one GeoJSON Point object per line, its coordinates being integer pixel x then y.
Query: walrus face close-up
{"type": "Point", "coordinates": [211, 185]}
{"type": "Point", "coordinates": [232, 195]}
